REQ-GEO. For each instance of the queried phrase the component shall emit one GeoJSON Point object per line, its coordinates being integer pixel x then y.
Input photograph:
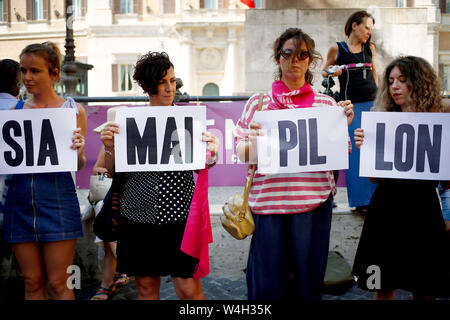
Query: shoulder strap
{"type": "Point", "coordinates": [251, 167]}
{"type": "Point", "coordinates": [19, 105]}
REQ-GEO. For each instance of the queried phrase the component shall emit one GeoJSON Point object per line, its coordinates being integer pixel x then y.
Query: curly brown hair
{"type": "Point", "coordinates": [150, 69]}
{"type": "Point", "coordinates": [423, 84]}
{"type": "Point", "coordinates": [300, 36]}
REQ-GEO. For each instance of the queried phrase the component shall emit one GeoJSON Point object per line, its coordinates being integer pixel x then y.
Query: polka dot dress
{"type": "Point", "coordinates": [158, 198]}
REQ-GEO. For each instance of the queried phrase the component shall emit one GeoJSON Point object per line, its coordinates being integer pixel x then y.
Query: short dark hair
{"type": "Point", "coordinates": [150, 69]}
{"type": "Point", "coordinates": [10, 77]}
{"type": "Point", "coordinates": [300, 36]}
{"type": "Point", "coordinates": [357, 17]}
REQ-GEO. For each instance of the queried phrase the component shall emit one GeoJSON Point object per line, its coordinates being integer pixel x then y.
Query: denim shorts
{"type": "Point", "coordinates": [41, 207]}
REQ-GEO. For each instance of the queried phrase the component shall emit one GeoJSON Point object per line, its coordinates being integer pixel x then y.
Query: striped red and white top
{"type": "Point", "coordinates": [284, 193]}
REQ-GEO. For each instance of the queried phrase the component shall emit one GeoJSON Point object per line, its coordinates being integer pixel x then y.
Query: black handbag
{"type": "Point", "coordinates": [106, 223]}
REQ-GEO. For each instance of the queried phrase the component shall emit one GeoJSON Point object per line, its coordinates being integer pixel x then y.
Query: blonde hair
{"type": "Point", "coordinates": [423, 84]}
{"type": "Point", "coordinates": [50, 53]}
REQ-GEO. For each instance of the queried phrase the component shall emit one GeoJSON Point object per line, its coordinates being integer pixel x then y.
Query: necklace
{"type": "Point", "coordinates": [355, 55]}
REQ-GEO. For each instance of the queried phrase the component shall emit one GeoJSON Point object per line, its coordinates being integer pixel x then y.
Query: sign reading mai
{"type": "Point", "coordinates": [37, 140]}
{"type": "Point", "coordinates": [160, 138]}
{"type": "Point", "coordinates": [406, 145]}
{"type": "Point", "coordinates": [302, 140]}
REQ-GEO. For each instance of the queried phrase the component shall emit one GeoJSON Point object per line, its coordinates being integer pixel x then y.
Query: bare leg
{"type": "Point", "coordinates": [148, 287]}
{"type": "Point", "coordinates": [188, 289]}
{"type": "Point", "coordinates": [384, 295]}
{"type": "Point", "coordinates": [109, 264]}
{"type": "Point", "coordinates": [58, 256]}
{"type": "Point", "coordinates": [29, 257]}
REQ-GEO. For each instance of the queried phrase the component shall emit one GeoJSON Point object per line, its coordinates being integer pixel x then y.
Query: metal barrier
{"type": "Point", "coordinates": [178, 98]}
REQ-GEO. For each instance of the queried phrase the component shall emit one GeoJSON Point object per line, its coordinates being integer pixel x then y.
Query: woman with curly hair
{"type": "Point", "coordinates": [403, 237]}
{"type": "Point", "coordinates": [152, 223]}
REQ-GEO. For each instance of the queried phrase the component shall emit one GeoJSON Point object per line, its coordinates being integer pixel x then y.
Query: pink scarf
{"type": "Point", "coordinates": [284, 98]}
{"type": "Point", "coordinates": [198, 234]}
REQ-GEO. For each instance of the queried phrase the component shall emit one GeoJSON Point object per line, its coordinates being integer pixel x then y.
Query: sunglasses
{"type": "Point", "coordinates": [287, 53]}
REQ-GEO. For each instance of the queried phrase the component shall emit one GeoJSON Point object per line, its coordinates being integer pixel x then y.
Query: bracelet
{"type": "Point", "coordinates": [213, 161]}
{"type": "Point", "coordinates": [108, 152]}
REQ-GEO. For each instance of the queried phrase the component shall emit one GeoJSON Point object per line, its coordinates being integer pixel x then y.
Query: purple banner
{"type": "Point", "coordinates": [221, 119]}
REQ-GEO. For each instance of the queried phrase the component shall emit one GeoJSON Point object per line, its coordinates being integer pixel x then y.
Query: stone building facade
{"type": "Point", "coordinates": [217, 46]}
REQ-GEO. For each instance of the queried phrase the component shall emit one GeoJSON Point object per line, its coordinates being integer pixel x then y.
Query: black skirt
{"type": "Point", "coordinates": [145, 249]}
{"type": "Point", "coordinates": [404, 236]}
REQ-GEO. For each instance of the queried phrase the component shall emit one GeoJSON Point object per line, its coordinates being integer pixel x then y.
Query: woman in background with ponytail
{"type": "Point", "coordinates": [357, 82]}
{"type": "Point", "coordinates": [42, 213]}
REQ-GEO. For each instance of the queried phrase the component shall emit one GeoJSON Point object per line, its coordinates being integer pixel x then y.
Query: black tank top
{"type": "Point", "coordinates": [358, 89]}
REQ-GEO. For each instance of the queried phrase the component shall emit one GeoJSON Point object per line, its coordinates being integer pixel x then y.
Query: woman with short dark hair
{"type": "Point", "coordinates": [151, 225]}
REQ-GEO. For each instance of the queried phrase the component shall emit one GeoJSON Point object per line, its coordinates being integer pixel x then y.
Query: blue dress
{"type": "Point", "coordinates": [42, 207]}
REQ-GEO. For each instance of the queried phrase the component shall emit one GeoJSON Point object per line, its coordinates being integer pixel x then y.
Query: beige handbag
{"type": "Point", "coordinates": [237, 217]}
{"type": "Point", "coordinates": [99, 186]}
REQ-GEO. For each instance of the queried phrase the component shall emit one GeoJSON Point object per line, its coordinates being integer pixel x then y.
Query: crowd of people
{"type": "Point", "coordinates": [408, 240]}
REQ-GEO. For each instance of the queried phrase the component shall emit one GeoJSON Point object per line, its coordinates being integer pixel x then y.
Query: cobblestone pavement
{"type": "Point", "coordinates": [215, 285]}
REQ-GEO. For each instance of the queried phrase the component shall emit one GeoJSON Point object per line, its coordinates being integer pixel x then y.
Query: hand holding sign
{"type": "Point", "coordinates": [358, 135]}
{"type": "Point", "coordinates": [348, 110]}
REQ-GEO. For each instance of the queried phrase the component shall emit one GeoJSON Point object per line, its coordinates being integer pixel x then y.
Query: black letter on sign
{"type": "Point", "coordinates": [171, 143]}
{"type": "Point", "coordinates": [47, 146]}
{"type": "Point", "coordinates": [302, 143]}
{"type": "Point", "coordinates": [380, 164]}
{"type": "Point", "coordinates": [147, 142]}
{"type": "Point", "coordinates": [284, 144]}
{"type": "Point", "coordinates": [433, 150]}
{"type": "Point", "coordinates": [398, 155]}
{"type": "Point", "coordinates": [189, 139]}
{"type": "Point", "coordinates": [13, 162]}
{"type": "Point", "coordinates": [314, 144]}
{"type": "Point", "coordinates": [29, 152]}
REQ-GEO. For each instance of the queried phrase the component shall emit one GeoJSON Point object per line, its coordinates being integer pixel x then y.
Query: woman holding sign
{"type": "Point", "coordinates": [153, 219]}
{"type": "Point", "coordinates": [42, 214]}
{"type": "Point", "coordinates": [403, 243]}
{"type": "Point", "coordinates": [357, 82]}
{"type": "Point", "coordinates": [292, 212]}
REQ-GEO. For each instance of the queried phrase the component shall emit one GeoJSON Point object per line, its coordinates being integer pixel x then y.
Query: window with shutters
{"type": "Point", "coordinates": [126, 6]}
{"type": "Point", "coordinates": [1, 11]}
{"type": "Point", "coordinates": [447, 6]}
{"type": "Point", "coordinates": [210, 89]}
{"type": "Point", "coordinates": [446, 77]}
{"type": "Point", "coordinates": [38, 9]}
{"type": "Point", "coordinates": [78, 8]}
{"type": "Point", "coordinates": [122, 78]}
{"type": "Point", "coordinates": [208, 4]}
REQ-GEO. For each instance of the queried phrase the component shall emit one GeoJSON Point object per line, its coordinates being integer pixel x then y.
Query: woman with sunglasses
{"type": "Point", "coordinates": [292, 212]}
{"type": "Point", "coordinates": [357, 82]}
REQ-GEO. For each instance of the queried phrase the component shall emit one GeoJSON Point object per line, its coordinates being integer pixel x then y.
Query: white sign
{"type": "Point", "coordinates": [302, 140]}
{"type": "Point", "coordinates": [406, 145]}
{"type": "Point", "coordinates": [160, 138]}
{"type": "Point", "coordinates": [37, 140]}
